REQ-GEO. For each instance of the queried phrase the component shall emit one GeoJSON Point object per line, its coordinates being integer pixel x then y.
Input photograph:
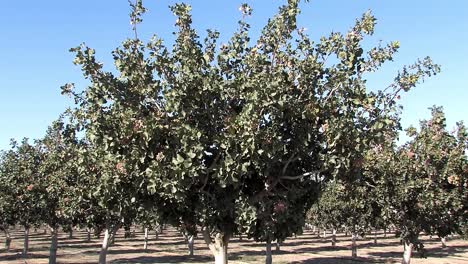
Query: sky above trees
{"type": "Point", "coordinates": [35, 62]}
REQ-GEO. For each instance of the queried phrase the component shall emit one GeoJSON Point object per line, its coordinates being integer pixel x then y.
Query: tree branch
{"type": "Point", "coordinates": [292, 178]}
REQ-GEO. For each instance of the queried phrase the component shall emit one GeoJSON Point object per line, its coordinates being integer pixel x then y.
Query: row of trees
{"type": "Point", "coordinates": [215, 139]}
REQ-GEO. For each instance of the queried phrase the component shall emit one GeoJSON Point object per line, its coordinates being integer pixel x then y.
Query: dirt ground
{"type": "Point", "coordinates": [171, 248]}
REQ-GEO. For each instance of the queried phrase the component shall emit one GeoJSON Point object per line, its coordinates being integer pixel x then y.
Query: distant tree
{"type": "Point", "coordinates": [20, 175]}
{"type": "Point", "coordinates": [421, 183]}
{"type": "Point", "coordinates": [8, 216]}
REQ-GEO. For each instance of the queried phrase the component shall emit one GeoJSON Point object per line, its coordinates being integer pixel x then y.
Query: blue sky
{"type": "Point", "coordinates": [36, 36]}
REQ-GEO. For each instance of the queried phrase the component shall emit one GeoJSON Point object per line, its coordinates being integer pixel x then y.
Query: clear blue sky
{"type": "Point", "coordinates": [36, 36]}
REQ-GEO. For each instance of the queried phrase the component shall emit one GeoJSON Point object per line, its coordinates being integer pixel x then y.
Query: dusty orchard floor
{"type": "Point", "coordinates": [171, 248]}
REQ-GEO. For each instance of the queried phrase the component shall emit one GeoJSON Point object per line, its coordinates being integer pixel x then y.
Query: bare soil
{"type": "Point", "coordinates": [170, 247]}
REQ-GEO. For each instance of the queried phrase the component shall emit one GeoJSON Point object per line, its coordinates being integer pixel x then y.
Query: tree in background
{"type": "Point", "coordinates": [21, 177]}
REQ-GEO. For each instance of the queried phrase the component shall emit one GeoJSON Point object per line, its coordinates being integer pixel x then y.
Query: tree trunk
{"type": "Point", "coordinates": [240, 236]}
{"type": "Point", "coordinates": [70, 233]}
{"type": "Point", "coordinates": [218, 246]}
{"type": "Point", "coordinates": [7, 239]}
{"type": "Point", "coordinates": [112, 237]}
{"type": "Point", "coordinates": [324, 233]}
{"type": "Point", "coordinates": [407, 253]}
{"type": "Point", "coordinates": [333, 237]}
{"type": "Point", "coordinates": [88, 231]}
{"type": "Point", "coordinates": [190, 241]}
{"type": "Point", "coordinates": [26, 242]}
{"type": "Point", "coordinates": [385, 232]}
{"type": "Point", "coordinates": [53, 246]}
{"type": "Point", "coordinates": [105, 247]}
{"type": "Point", "coordinates": [444, 242]}
{"type": "Point", "coordinates": [145, 247]}
{"type": "Point", "coordinates": [375, 236]}
{"type": "Point", "coordinates": [318, 232]}
{"type": "Point", "coordinates": [268, 259]}
{"type": "Point", "coordinates": [353, 245]}
{"type": "Point", "coordinates": [278, 245]}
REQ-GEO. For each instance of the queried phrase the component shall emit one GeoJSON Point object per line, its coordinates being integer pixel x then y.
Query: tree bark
{"type": "Point", "coordinates": [190, 241]}
{"type": "Point", "coordinates": [53, 246]}
{"type": "Point", "coordinates": [333, 237]}
{"type": "Point", "coordinates": [278, 245]}
{"type": "Point", "coordinates": [218, 245]}
{"type": "Point", "coordinates": [70, 233]}
{"type": "Point", "coordinates": [88, 235]}
{"type": "Point", "coordinates": [26, 242]}
{"type": "Point", "coordinates": [145, 247]}
{"type": "Point", "coordinates": [375, 236]}
{"type": "Point", "coordinates": [268, 259]}
{"type": "Point", "coordinates": [105, 247]}
{"type": "Point", "coordinates": [385, 232]}
{"type": "Point", "coordinates": [443, 240]}
{"type": "Point", "coordinates": [353, 245]}
{"type": "Point", "coordinates": [7, 239]}
{"type": "Point", "coordinates": [407, 253]}
{"type": "Point", "coordinates": [112, 236]}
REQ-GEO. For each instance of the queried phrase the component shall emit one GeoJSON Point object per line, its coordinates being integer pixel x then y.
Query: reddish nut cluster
{"type": "Point", "coordinates": [279, 207]}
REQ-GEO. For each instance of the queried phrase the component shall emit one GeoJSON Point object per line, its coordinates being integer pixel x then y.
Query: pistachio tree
{"type": "Point", "coordinates": [432, 172]}
{"type": "Point", "coordinates": [7, 201]}
{"type": "Point", "coordinates": [222, 136]}
{"type": "Point", "coordinates": [21, 178]}
{"type": "Point", "coordinates": [59, 173]}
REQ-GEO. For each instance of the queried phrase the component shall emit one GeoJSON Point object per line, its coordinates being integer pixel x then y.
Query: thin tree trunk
{"type": "Point", "coordinates": [443, 240]}
{"type": "Point", "coordinates": [324, 233]}
{"type": "Point", "coordinates": [7, 239]}
{"type": "Point", "coordinates": [354, 246]}
{"type": "Point", "coordinates": [145, 247]}
{"type": "Point", "coordinates": [53, 246]}
{"type": "Point", "coordinates": [278, 245]}
{"type": "Point", "coordinates": [26, 242]}
{"type": "Point", "coordinates": [333, 237]}
{"type": "Point", "coordinates": [375, 236]}
{"type": "Point", "coordinates": [156, 234]}
{"type": "Point", "coordinates": [268, 259]}
{"type": "Point", "coordinates": [190, 241]}
{"type": "Point", "coordinates": [385, 232]}
{"type": "Point", "coordinates": [112, 236]}
{"type": "Point", "coordinates": [218, 245]}
{"type": "Point", "coordinates": [407, 253]}
{"type": "Point", "coordinates": [70, 233]}
{"type": "Point", "coordinates": [240, 236]}
{"type": "Point", "coordinates": [104, 248]}
{"type": "Point", "coordinates": [88, 231]}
